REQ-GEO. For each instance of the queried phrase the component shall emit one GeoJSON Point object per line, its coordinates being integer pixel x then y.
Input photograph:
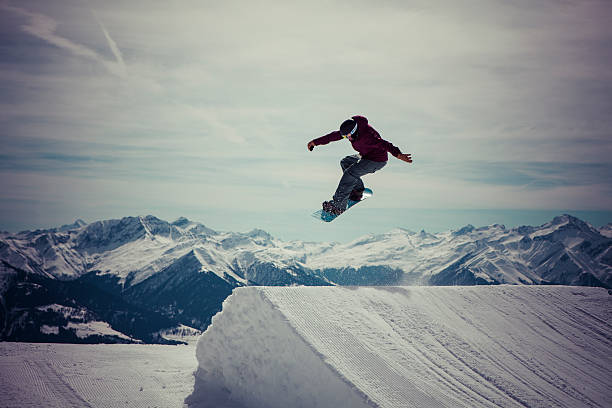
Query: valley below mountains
{"type": "Point", "coordinates": [146, 280]}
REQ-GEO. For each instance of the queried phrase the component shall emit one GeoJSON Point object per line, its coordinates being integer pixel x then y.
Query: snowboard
{"type": "Point", "coordinates": [329, 217]}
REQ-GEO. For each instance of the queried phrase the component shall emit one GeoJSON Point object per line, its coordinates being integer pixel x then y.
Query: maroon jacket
{"type": "Point", "coordinates": [369, 144]}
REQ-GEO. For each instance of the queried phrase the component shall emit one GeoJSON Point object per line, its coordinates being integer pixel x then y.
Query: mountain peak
{"type": "Point", "coordinates": [425, 235]}
{"type": "Point", "coordinates": [181, 222]}
{"type": "Point", "coordinates": [259, 233]}
{"type": "Point", "coordinates": [564, 219]}
{"type": "Point", "coordinates": [465, 230]}
{"type": "Point", "coordinates": [106, 235]}
{"type": "Point", "coordinates": [78, 223]}
{"type": "Point", "coordinates": [571, 221]}
{"type": "Point", "coordinates": [192, 226]}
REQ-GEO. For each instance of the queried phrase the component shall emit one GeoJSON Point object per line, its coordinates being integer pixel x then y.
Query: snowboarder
{"type": "Point", "coordinates": [371, 158]}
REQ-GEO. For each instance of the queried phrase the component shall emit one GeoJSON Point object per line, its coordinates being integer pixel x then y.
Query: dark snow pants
{"type": "Point", "coordinates": [354, 167]}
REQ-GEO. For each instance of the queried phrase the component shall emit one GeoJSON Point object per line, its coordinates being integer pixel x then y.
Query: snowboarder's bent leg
{"type": "Point", "coordinates": [348, 161]}
{"type": "Point", "coordinates": [351, 179]}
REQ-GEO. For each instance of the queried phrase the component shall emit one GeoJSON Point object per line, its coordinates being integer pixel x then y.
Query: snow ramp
{"type": "Point", "coordinates": [494, 346]}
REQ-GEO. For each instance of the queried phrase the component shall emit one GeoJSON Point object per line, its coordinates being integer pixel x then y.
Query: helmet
{"type": "Point", "coordinates": [348, 127]}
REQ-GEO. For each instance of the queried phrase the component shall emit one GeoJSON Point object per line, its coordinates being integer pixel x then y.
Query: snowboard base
{"type": "Point", "coordinates": [329, 217]}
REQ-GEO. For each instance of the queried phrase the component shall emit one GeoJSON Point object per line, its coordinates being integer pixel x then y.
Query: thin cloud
{"type": "Point", "coordinates": [503, 104]}
{"type": "Point", "coordinates": [120, 66]}
{"type": "Point", "coordinates": [44, 27]}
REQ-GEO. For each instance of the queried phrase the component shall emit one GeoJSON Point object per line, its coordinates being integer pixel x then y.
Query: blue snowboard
{"type": "Point", "coordinates": [329, 217]}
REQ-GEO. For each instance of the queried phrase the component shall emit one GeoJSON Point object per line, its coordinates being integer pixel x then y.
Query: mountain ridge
{"type": "Point", "coordinates": [183, 270]}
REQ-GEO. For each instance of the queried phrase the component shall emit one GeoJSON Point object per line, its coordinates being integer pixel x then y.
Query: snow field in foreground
{"type": "Point", "coordinates": [79, 376]}
{"type": "Point", "coordinates": [535, 346]}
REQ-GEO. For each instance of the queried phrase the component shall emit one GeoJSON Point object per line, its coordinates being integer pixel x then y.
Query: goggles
{"type": "Point", "coordinates": [352, 132]}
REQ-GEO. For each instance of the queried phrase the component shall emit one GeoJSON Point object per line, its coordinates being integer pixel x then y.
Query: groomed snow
{"type": "Point", "coordinates": [494, 346]}
{"type": "Point", "coordinates": [104, 376]}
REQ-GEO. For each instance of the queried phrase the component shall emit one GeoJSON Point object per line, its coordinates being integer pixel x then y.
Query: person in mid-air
{"type": "Point", "coordinates": [371, 158]}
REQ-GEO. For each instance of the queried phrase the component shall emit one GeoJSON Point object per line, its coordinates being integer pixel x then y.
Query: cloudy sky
{"type": "Point", "coordinates": [204, 108]}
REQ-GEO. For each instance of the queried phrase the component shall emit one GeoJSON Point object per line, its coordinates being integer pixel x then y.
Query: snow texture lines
{"type": "Point", "coordinates": [101, 376]}
{"type": "Point", "coordinates": [343, 350]}
{"type": "Point", "coordinates": [493, 346]}
{"type": "Point", "coordinates": [33, 381]}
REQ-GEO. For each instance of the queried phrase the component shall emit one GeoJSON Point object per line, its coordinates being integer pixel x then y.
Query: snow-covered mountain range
{"type": "Point", "coordinates": [142, 275]}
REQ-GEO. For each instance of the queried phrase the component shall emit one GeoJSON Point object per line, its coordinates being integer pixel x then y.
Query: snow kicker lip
{"type": "Point", "coordinates": [407, 346]}
{"type": "Point", "coordinates": [255, 358]}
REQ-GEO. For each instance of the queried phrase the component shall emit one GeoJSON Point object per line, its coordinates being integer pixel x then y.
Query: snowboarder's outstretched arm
{"type": "Point", "coordinates": [388, 146]}
{"type": "Point", "coordinates": [330, 137]}
{"type": "Point", "coordinates": [405, 157]}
